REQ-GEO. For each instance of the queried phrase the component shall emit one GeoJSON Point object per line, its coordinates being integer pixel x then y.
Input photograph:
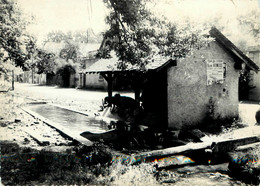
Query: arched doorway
{"type": "Point", "coordinates": [65, 74]}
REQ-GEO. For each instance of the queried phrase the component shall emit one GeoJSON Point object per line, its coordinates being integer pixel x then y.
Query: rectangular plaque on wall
{"type": "Point", "coordinates": [216, 70]}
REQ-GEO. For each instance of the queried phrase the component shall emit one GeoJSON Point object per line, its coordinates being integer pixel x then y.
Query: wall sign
{"type": "Point", "coordinates": [216, 71]}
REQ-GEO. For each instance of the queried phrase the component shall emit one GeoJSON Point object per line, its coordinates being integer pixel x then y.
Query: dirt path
{"type": "Point", "coordinates": [17, 126]}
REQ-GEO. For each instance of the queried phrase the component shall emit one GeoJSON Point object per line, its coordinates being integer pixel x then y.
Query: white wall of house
{"type": "Point", "coordinates": [95, 81]}
{"type": "Point", "coordinates": [189, 93]}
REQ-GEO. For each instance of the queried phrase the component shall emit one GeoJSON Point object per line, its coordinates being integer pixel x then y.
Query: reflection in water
{"type": "Point", "coordinates": [73, 121]}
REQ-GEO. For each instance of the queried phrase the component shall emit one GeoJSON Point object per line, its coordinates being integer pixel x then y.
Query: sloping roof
{"type": "Point", "coordinates": [86, 48]}
{"type": "Point", "coordinates": [159, 62]}
{"type": "Point", "coordinates": [110, 65]}
{"type": "Point", "coordinates": [227, 44]}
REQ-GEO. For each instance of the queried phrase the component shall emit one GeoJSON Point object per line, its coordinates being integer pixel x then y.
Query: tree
{"type": "Point", "coordinates": [12, 37]}
{"type": "Point", "coordinates": [251, 24]}
{"type": "Point", "coordinates": [139, 35]}
{"type": "Point", "coordinates": [44, 61]}
{"type": "Point", "coordinates": [70, 49]}
{"type": "Point", "coordinates": [13, 40]}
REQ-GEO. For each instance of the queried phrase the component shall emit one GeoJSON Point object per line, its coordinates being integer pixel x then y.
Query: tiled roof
{"type": "Point", "coordinates": [110, 65]}
{"type": "Point", "coordinates": [86, 48]}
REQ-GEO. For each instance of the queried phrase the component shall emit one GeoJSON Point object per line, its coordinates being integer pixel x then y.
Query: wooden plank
{"type": "Point", "coordinates": [190, 147]}
{"type": "Point", "coordinates": [221, 146]}
{"type": "Point", "coordinates": [248, 147]}
{"type": "Point", "coordinates": [37, 137]}
{"type": "Point", "coordinates": [232, 144]}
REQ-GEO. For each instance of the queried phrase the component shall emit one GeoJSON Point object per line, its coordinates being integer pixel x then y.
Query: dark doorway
{"type": "Point", "coordinates": [243, 85]}
{"type": "Point", "coordinates": [154, 97]}
{"type": "Point", "coordinates": [65, 73]}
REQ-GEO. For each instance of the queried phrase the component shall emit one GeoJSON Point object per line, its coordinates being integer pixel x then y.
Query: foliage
{"type": "Point", "coordinates": [243, 30]}
{"type": "Point", "coordinates": [67, 69]}
{"type": "Point", "coordinates": [31, 167]}
{"type": "Point", "coordinates": [45, 61]}
{"type": "Point", "coordinates": [138, 35]}
{"type": "Point", "coordinates": [38, 59]}
{"type": "Point", "coordinates": [77, 36]}
{"type": "Point", "coordinates": [250, 23]}
{"type": "Point", "coordinates": [66, 48]}
{"type": "Point", "coordinates": [13, 40]}
{"type": "Point", "coordinates": [69, 52]}
{"type": "Point", "coordinates": [71, 42]}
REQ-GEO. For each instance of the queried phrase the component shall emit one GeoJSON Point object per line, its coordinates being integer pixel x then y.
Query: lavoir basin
{"type": "Point", "coordinates": [68, 119]}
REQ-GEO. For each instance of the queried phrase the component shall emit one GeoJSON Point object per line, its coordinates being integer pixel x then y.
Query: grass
{"type": "Point", "coordinates": [82, 165]}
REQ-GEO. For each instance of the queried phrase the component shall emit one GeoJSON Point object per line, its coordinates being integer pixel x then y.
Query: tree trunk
{"type": "Point", "coordinates": [12, 79]}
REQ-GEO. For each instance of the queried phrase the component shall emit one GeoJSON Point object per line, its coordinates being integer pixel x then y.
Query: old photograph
{"type": "Point", "coordinates": [130, 92]}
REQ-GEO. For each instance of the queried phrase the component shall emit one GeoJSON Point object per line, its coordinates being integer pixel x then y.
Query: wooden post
{"type": "Point", "coordinates": [84, 80]}
{"type": "Point", "coordinates": [110, 85]}
{"type": "Point", "coordinates": [32, 76]}
{"type": "Point", "coordinates": [109, 77]}
{"type": "Point", "coordinates": [137, 93]}
{"type": "Point", "coordinates": [137, 85]}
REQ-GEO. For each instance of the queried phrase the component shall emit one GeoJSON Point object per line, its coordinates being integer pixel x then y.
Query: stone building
{"type": "Point", "coordinates": [186, 92]}
{"type": "Point", "coordinates": [206, 84]}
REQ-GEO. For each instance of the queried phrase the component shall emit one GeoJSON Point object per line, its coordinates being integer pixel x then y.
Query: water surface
{"type": "Point", "coordinates": [73, 121]}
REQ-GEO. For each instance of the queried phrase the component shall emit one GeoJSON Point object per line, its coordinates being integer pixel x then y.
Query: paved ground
{"type": "Point", "coordinates": [82, 100]}
{"type": "Point", "coordinates": [247, 112]}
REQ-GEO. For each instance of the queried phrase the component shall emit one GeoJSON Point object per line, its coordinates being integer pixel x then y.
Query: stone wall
{"type": "Point", "coordinates": [189, 95]}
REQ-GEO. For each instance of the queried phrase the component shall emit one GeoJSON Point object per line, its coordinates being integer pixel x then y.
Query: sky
{"type": "Point", "coordinates": [72, 15]}
{"type": "Point", "coordinates": [64, 15]}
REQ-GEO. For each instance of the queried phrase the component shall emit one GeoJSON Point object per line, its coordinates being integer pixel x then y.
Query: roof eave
{"type": "Point", "coordinates": [226, 43]}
